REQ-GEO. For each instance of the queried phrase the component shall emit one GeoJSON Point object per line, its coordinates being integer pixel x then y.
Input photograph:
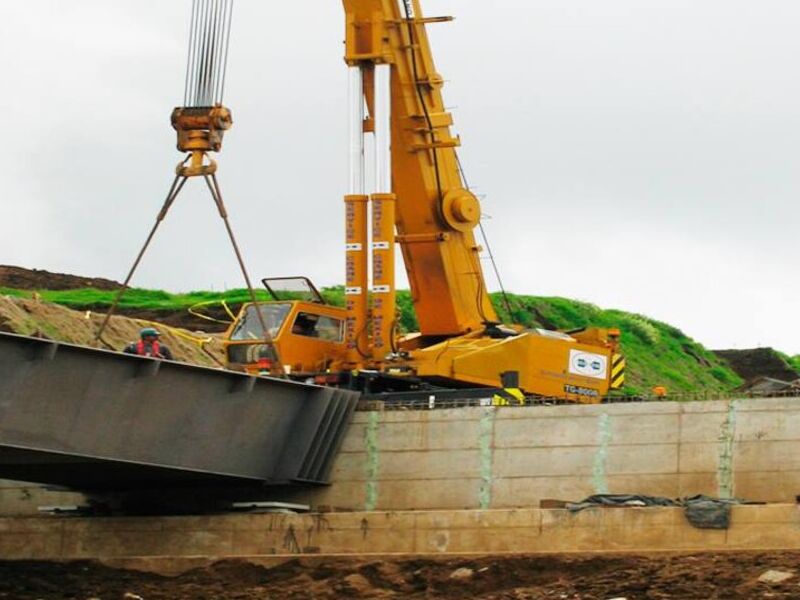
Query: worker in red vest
{"type": "Point", "coordinates": [148, 345]}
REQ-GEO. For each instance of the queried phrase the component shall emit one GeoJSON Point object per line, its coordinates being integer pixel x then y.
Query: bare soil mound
{"type": "Point", "coordinates": [758, 362]}
{"type": "Point", "coordinates": [729, 576]}
{"type": "Point", "coordinates": [36, 279]}
{"type": "Point", "coordinates": [182, 318]}
{"type": "Point", "coordinates": [51, 321]}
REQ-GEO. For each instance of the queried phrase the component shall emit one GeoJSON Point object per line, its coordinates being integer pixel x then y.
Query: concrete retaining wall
{"type": "Point", "coordinates": [182, 542]}
{"type": "Point", "coordinates": [472, 458]}
{"type": "Point", "coordinates": [20, 498]}
{"type": "Point", "coordinates": [515, 457]}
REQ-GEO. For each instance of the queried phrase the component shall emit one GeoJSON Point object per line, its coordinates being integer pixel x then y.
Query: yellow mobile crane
{"type": "Point", "coordinates": [421, 203]}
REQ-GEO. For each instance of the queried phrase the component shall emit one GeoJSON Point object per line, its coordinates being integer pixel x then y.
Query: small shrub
{"type": "Point", "coordinates": [642, 328]}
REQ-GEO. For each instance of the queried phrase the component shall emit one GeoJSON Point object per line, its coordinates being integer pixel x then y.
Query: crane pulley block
{"type": "Point", "coordinates": [200, 129]}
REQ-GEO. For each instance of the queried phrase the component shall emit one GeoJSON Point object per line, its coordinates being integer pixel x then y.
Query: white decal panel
{"type": "Point", "coordinates": [588, 364]}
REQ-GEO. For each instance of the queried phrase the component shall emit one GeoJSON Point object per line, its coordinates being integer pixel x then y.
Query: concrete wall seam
{"type": "Point", "coordinates": [372, 462]}
{"type": "Point", "coordinates": [600, 463]}
{"type": "Point", "coordinates": [486, 453]}
{"type": "Point", "coordinates": [727, 442]}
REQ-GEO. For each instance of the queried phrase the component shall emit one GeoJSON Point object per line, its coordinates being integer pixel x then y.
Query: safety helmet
{"type": "Point", "coordinates": [149, 332]}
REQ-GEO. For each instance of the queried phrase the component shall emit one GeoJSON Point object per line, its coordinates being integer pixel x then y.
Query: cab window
{"type": "Point", "coordinates": [249, 325]}
{"type": "Point", "coordinates": [318, 326]}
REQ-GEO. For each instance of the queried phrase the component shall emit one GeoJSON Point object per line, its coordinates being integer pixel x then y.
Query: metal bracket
{"type": "Point", "coordinates": [454, 143]}
{"type": "Point", "coordinates": [421, 238]}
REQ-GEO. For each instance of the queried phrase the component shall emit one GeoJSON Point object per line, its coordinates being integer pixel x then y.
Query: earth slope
{"type": "Point", "coordinates": [657, 353]}
{"type": "Point", "coordinates": [42, 319]}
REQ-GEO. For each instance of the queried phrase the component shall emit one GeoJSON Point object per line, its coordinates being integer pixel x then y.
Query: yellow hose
{"type": "Point", "coordinates": [212, 319]}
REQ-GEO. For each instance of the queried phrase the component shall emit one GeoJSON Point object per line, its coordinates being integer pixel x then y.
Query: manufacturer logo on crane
{"type": "Point", "coordinates": [588, 364]}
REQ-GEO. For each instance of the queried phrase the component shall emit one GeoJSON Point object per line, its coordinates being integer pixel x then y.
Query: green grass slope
{"type": "Point", "coordinates": [656, 353]}
{"type": "Point", "coordinates": [792, 361]}
{"type": "Point", "coordinates": [134, 298]}
{"type": "Point", "coordinates": [795, 362]}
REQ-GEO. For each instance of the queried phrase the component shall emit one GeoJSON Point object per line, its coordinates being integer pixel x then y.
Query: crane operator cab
{"type": "Point", "coordinates": [304, 334]}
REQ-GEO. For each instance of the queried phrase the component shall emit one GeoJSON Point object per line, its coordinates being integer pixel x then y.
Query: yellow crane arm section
{"type": "Point", "coordinates": [436, 214]}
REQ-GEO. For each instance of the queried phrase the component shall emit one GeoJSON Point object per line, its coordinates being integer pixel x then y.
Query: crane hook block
{"type": "Point", "coordinates": [461, 209]}
{"type": "Point", "coordinates": [200, 129]}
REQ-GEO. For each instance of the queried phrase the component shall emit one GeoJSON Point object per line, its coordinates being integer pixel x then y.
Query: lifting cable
{"type": "Point", "coordinates": [200, 125]}
{"type": "Point", "coordinates": [207, 60]}
{"type": "Point", "coordinates": [413, 42]}
{"type": "Point", "coordinates": [495, 268]}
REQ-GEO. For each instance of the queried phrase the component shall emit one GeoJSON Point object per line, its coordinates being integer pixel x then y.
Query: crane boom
{"type": "Point", "coordinates": [435, 213]}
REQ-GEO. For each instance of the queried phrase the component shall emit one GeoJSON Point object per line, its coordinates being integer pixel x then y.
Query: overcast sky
{"type": "Point", "coordinates": [641, 155]}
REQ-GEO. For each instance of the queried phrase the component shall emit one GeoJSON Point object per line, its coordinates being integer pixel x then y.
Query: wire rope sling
{"type": "Point", "coordinates": [200, 125]}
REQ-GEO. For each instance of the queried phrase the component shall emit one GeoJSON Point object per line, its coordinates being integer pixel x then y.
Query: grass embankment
{"type": "Point", "coordinates": [657, 353]}
{"type": "Point", "coordinates": [134, 298]}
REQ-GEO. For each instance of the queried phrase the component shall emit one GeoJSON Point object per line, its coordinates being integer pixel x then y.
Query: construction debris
{"type": "Point", "coordinates": [462, 574]}
{"type": "Point", "coordinates": [701, 511]}
{"type": "Point", "coordinates": [775, 576]}
{"type": "Point", "coordinates": [767, 386]}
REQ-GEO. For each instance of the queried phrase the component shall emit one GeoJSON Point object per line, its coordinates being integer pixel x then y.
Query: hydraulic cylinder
{"type": "Point", "coordinates": [356, 279]}
{"type": "Point", "coordinates": [356, 228]}
{"type": "Point", "coordinates": [383, 287]}
{"type": "Point", "coordinates": [383, 215]}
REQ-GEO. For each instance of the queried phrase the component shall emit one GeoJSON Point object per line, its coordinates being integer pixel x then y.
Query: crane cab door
{"type": "Point", "coordinates": [306, 336]}
{"type": "Point", "coordinates": [312, 338]}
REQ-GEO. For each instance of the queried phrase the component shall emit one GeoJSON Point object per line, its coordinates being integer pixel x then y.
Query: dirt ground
{"type": "Point", "coordinates": [729, 576]}
{"type": "Point", "coordinates": [758, 362]}
{"type": "Point", "coordinates": [41, 319]}
{"type": "Point", "coordinates": [38, 279]}
{"type": "Point", "coordinates": [183, 319]}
